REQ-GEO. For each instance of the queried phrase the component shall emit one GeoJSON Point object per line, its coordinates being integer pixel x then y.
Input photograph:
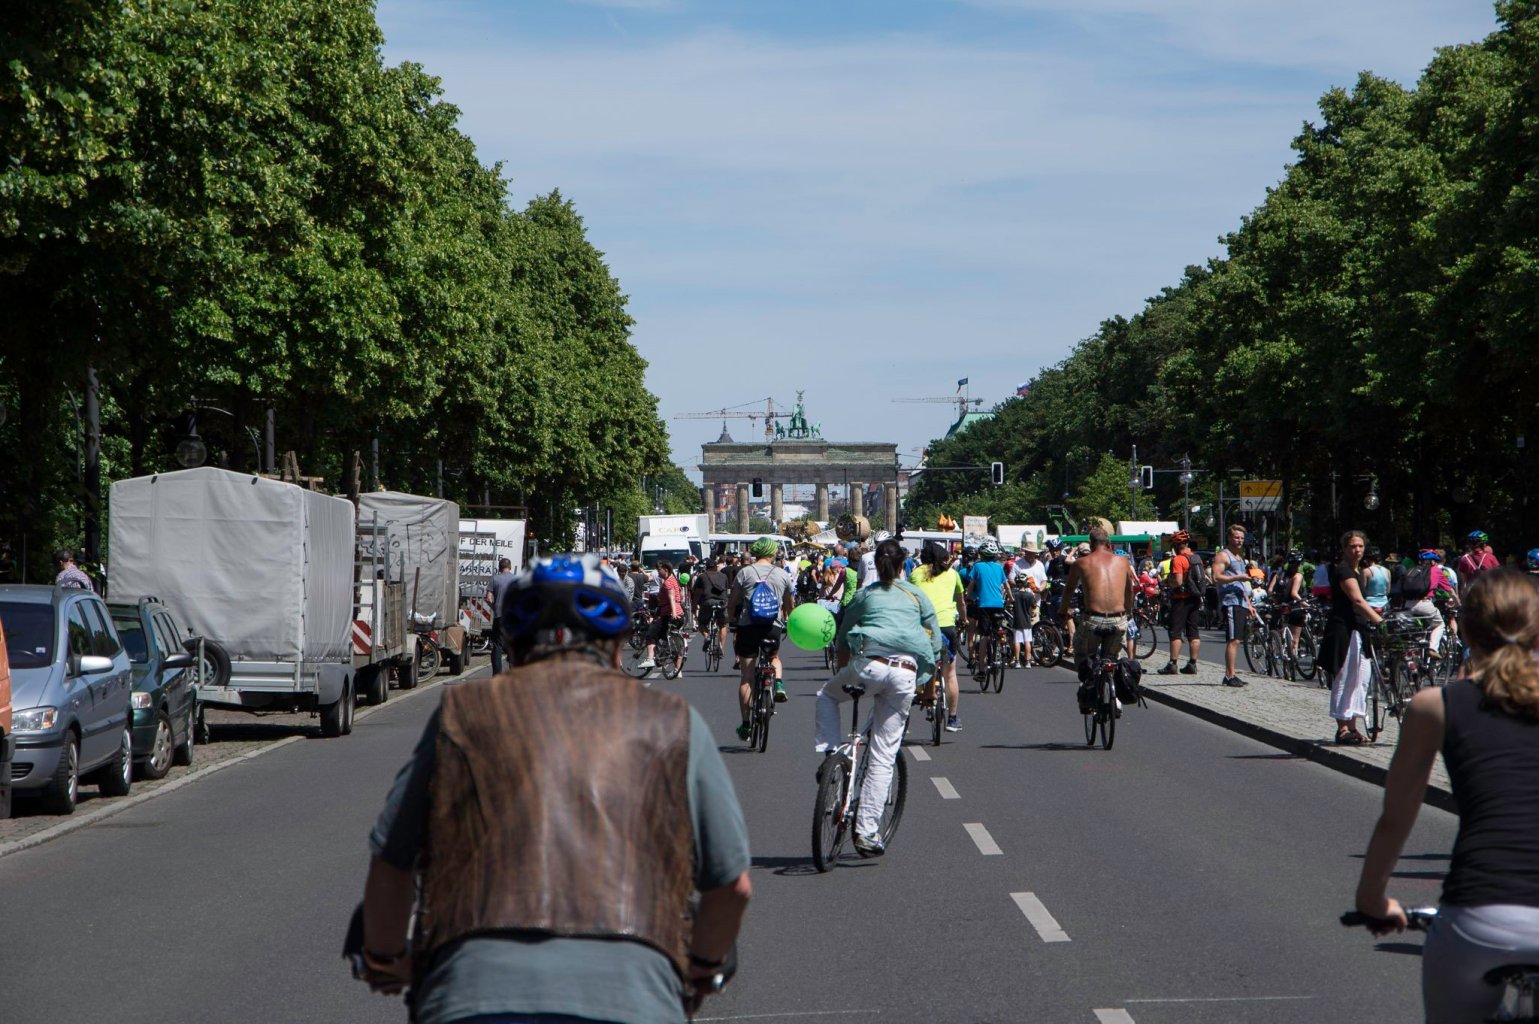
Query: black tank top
{"type": "Point", "coordinates": [1493, 763]}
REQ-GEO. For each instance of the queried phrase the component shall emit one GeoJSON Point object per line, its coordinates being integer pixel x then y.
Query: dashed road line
{"type": "Point", "coordinates": [947, 790]}
{"type": "Point", "coordinates": [920, 753]}
{"type": "Point", "coordinates": [981, 838]}
{"type": "Point", "coordinates": [1113, 1017]}
{"type": "Point", "coordinates": [1049, 929]}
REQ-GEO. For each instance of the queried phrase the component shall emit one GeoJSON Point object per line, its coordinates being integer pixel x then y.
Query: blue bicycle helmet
{"type": "Point", "coordinates": [565, 601]}
{"type": "Point", "coordinates": [1478, 537]}
{"type": "Point", "coordinates": [1533, 558]}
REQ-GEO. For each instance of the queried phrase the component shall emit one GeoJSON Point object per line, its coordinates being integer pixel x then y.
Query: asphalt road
{"type": "Point", "coordinates": [1191, 876]}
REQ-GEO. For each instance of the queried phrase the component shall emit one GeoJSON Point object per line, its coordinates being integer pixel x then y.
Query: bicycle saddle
{"type": "Point", "coordinates": [854, 689]}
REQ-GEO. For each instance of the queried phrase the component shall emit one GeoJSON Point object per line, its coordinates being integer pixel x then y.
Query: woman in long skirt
{"type": "Point", "coordinates": [1346, 646]}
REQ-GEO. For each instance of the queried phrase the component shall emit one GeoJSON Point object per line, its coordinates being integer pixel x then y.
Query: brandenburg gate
{"type": "Point", "coordinates": [796, 455]}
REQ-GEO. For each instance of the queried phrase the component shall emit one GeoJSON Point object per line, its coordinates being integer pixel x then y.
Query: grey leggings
{"type": "Point", "coordinates": [1462, 946]}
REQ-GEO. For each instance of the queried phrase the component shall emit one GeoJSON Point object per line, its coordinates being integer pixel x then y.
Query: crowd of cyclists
{"type": "Point", "coordinates": [905, 618]}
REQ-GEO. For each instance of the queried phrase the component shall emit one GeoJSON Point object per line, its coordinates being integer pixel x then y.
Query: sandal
{"type": "Point", "coordinates": [1351, 738]}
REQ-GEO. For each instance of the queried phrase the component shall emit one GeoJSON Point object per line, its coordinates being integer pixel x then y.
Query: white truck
{"type": "Point", "coordinates": [672, 538]}
{"type": "Point", "coordinates": [483, 542]}
{"type": "Point", "coordinates": [267, 569]}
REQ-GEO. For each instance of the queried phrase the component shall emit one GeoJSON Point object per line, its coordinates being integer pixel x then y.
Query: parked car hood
{"type": "Point", "coordinates": [29, 686]}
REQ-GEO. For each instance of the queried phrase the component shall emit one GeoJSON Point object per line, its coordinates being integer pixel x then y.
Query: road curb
{"type": "Point", "coordinates": [89, 818]}
{"type": "Point", "coordinates": [1314, 750]}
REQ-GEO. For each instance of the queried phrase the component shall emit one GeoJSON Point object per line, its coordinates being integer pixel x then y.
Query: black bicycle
{"type": "Point", "coordinates": [993, 651]}
{"type": "Point", "coordinates": [715, 618]}
{"type": "Point", "coordinates": [761, 697]}
{"type": "Point", "coordinates": [1098, 698]}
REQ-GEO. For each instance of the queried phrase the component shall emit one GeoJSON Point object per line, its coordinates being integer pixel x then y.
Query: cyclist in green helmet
{"type": "Point", "coordinates": [760, 615]}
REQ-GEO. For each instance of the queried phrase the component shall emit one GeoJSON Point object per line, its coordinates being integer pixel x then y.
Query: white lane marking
{"type": "Point", "coordinates": [1113, 1017]}
{"type": "Point", "coordinates": [1223, 999]}
{"type": "Point", "coordinates": [982, 839]}
{"type": "Point", "coordinates": [947, 790]}
{"type": "Point", "coordinates": [1044, 923]}
{"type": "Point", "coordinates": [920, 753]}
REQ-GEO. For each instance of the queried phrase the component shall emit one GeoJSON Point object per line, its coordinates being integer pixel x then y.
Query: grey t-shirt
{"type": "Point", "coordinates": [748, 577]}
{"type": "Point", "coordinates": [499, 586]}
{"type": "Point", "coordinates": [598, 979]}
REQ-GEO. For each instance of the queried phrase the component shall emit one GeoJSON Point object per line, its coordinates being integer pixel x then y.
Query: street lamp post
{"type": "Point", "coordinates": [1186, 494]}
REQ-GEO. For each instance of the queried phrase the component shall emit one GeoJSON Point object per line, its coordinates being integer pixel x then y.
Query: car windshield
{"type": "Point", "coordinates": [131, 633]}
{"type": "Point", "coordinates": [29, 633]}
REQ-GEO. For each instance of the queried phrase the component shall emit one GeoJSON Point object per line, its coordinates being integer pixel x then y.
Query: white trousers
{"type": "Point", "coordinates": [1349, 690]}
{"type": "Point", "coordinates": [891, 691]}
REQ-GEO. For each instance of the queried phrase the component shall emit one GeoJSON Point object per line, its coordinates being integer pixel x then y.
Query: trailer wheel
{"type": "Point", "coordinates": [349, 708]}
{"type": "Point", "coordinates": [216, 661]}
{"type": "Point", "coordinates": [331, 714]}
{"type": "Point", "coordinates": [406, 673]}
{"type": "Point", "coordinates": [373, 684]}
{"type": "Point", "coordinates": [456, 662]}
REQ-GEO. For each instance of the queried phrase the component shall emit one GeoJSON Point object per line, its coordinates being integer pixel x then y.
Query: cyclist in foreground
{"type": "Point", "coordinates": [483, 816]}
{"type": "Point", "coordinates": [941, 584]}
{"type": "Point", "coordinates": [759, 603]}
{"type": "Point", "coordinates": [1486, 725]}
{"type": "Point", "coordinates": [888, 641]}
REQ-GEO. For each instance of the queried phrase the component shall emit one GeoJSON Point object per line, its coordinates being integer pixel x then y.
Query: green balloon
{"type": "Point", "coordinates": [683, 579]}
{"type": "Point", "coordinates": [811, 627]}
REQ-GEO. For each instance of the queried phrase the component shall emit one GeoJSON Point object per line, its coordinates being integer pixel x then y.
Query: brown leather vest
{"type": "Point", "coordinates": [560, 805]}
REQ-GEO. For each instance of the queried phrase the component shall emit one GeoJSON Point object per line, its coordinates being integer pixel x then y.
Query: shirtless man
{"type": "Point", "coordinates": [1108, 579]}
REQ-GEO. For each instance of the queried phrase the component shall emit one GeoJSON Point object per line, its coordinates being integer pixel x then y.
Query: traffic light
{"type": "Point", "coordinates": [997, 472]}
{"type": "Point", "coordinates": [1146, 474]}
{"type": "Point", "coordinates": [758, 487]}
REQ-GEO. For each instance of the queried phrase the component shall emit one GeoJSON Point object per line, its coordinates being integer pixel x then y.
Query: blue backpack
{"type": "Point", "coordinates": [763, 605]}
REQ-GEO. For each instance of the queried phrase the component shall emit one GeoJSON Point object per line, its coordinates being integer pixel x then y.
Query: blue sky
{"type": "Point", "coordinates": [870, 200]}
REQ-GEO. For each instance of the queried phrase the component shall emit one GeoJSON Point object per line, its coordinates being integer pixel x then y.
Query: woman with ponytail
{"type": "Point", "coordinates": [1486, 725]}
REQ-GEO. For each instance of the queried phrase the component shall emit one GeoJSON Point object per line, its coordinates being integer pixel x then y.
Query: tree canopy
{"type": "Point", "coordinates": [225, 208]}
{"type": "Point", "coordinates": [1372, 326]}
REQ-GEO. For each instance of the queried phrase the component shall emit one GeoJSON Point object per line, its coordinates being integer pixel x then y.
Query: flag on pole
{"type": "Point", "coordinates": [1022, 390]}
{"type": "Point", "coordinates": [961, 383]}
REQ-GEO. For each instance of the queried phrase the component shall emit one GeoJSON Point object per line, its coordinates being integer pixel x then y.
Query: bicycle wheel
{"type": "Point", "coordinates": [998, 665]}
{"type": "Point", "coordinates": [1046, 645]}
{"type": "Point", "coordinates": [1090, 722]}
{"type": "Point", "coordinates": [1308, 654]}
{"type": "Point", "coordinates": [1148, 640]}
{"type": "Point", "coordinates": [630, 658]}
{"type": "Point", "coordinates": [764, 708]}
{"type": "Point", "coordinates": [939, 709]}
{"type": "Point", "coordinates": [1377, 699]}
{"type": "Point", "coordinates": [673, 664]}
{"type": "Point", "coordinates": [1107, 699]}
{"type": "Point", "coordinates": [897, 794]}
{"type": "Point", "coordinates": [1255, 647]}
{"type": "Point", "coordinates": [985, 663]}
{"type": "Point", "coordinates": [712, 656]}
{"type": "Point", "coordinates": [829, 828]}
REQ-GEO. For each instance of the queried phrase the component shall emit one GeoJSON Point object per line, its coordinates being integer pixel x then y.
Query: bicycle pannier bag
{"type": "Point", "coordinates": [1128, 679]}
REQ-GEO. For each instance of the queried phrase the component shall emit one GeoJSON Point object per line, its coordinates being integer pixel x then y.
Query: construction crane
{"type": "Point", "coordinates": [730, 413]}
{"type": "Point", "coordinates": [960, 401]}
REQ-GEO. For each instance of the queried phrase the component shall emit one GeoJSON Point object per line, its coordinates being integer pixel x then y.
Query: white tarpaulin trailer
{"type": "Point", "coordinates": [263, 567]}
{"type": "Point", "coordinates": [424, 548]}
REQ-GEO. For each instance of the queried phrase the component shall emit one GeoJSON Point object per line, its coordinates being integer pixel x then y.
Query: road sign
{"type": "Point", "coordinates": [1260, 495]}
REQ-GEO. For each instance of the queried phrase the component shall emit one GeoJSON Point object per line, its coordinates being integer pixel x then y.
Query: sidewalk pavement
{"type": "Point", "coordinates": [1291, 716]}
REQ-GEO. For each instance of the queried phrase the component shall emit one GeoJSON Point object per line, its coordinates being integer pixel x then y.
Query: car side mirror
{"type": "Point", "coordinates": [179, 660]}
{"type": "Point", "coordinates": [94, 665]}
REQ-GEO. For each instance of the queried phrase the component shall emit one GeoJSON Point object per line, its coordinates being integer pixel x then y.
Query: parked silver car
{"type": "Point", "coordinates": [71, 686]}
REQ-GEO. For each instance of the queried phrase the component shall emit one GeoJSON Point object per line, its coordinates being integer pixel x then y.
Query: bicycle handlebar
{"type": "Point", "coordinates": [1418, 919]}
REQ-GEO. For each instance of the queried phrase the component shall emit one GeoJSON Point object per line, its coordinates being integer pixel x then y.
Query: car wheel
{"type": "Point", "coordinates": [183, 754]}
{"type": "Point", "coordinates": [63, 789]}
{"type": "Point", "coordinates": [116, 777]}
{"type": "Point", "coordinates": [162, 749]}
